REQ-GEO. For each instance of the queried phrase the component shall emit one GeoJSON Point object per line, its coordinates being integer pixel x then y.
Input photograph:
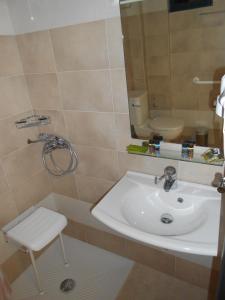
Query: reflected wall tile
{"type": "Point", "coordinates": [119, 89]}
{"type": "Point", "coordinates": [132, 26]}
{"type": "Point", "coordinates": [183, 93]}
{"type": "Point", "coordinates": [183, 20]}
{"type": "Point", "coordinates": [31, 191]}
{"type": "Point", "coordinates": [43, 91]}
{"type": "Point", "coordinates": [186, 63]}
{"type": "Point", "coordinates": [158, 66]}
{"type": "Point", "coordinates": [213, 38]}
{"type": "Point", "coordinates": [13, 137]}
{"type": "Point", "coordinates": [10, 62]}
{"type": "Point", "coordinates": [97, 162]}
{"type": "Point", "coordinates": [157, 45]}
{"type": "Point", "coordinates": [36, 52]}
{"type": "Point", "coordinates": [21, 164]}
{"type": "Point", "coordinates": [86, 90]}
{"type": "Point", "coordinates": [13, 97]}
{"type": "Point", "coordinates": [186, 40]}
{"type": "Point", "coordinates": [156, 23]}
{"type": "Point", "coordinates": [212, 62]}
{"type": "Point", "coordinates": [115, 43]}
{"type": "Point", "coordinates": [80, 47]}
{"type": "Point", "coordinates": [92, 189]}
{"type": "Point", "coordinates": [92, 129]}
{"type": "Point", "coordinates": [211, 20]}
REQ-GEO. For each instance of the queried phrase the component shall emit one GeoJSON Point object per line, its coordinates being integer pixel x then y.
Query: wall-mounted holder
{"type": "Point", "coordinates": [32, 121]}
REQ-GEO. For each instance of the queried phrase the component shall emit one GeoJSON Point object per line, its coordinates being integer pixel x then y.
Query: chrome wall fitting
{"type": "Point", "coordinates": [51, 143]}
{"type": "Point", "coordinates": [32, 121]}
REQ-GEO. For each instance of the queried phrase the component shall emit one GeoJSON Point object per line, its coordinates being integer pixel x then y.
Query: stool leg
{"type": "Point", "coordinates": [63, 250]}
{"type": "Point", "coordinates": [36, 272]}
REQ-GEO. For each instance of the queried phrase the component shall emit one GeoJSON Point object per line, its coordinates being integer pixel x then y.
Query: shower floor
{"type": "Point", "coordinates": [99, 274]}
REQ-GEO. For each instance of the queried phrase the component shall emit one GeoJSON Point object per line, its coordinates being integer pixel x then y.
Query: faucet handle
{"type": "Point", "coordinates": [219, 182]}
{"type": "Point", "coordinates": [170, 172]}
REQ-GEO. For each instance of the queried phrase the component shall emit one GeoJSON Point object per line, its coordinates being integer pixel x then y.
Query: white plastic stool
{"type": "Point", "coordinates": [36, 231]}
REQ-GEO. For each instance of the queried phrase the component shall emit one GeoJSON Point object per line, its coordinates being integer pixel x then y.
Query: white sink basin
{"type": "Point", "coordinates": [184, 219]}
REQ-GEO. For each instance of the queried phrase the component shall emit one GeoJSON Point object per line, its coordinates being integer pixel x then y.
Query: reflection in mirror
{"type": "Point", "coordinates": [164, 52]}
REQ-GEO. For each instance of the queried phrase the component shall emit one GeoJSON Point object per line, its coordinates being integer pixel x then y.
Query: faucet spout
{"type": "Point", "coordinates": [170, 176]}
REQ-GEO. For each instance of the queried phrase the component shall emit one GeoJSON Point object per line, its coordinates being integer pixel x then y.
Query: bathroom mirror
{"type": "Point", "coordinates": [174, 64]}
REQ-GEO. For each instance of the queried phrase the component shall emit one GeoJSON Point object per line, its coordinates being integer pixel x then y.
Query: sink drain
{"type": "Point", "coordinates": [166, 219]}
{"type": "Point", "coordinates": [67, 285]}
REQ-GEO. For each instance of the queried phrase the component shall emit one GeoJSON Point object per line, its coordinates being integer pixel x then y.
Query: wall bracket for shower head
{"type": "Point", "coordinates": [51, 143]}
{"type": "Point", "coordinates": [32, 121]}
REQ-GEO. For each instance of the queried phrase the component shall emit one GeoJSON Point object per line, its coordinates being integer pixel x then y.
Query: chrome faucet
{"type": "Point", "coordinates": [170, 176]}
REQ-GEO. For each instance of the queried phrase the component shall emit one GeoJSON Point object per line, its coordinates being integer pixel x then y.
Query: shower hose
{"type": "Point", "coordinates": [52, 143]}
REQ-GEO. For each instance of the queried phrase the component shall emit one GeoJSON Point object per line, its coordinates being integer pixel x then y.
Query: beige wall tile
{"type": "Point", "coordinates": [13, 97]}
{"type": "Point", "coordinates": [148, 165]}
{"type": "Point", "coordinates": [119, 88]}
{"type": "Point", "coordinates": [31, 191]}
{"type": "Point", "coordinates": [36, 52]}
{"type": "Point", "coordinates": [92, 189]}
{"type": "Point", "coordinates": [8, 209]}
{"type": "Point", "coordinates": [198, 173]}
{"type": "Point", "coordinates": [86, 90]}
{"type": "Point", "coordinates": [10, 62]}
{"type": "Point", "coordinates": [43, 91]}
{"type": "Point", "coordinates": [57, 125]}
{"type": "Point", "coordinates": [80, 47]}
{"type": "Point", "coordinates": [106, 241]}
{"type": "Point", "coordinates": [123, 131]}
{"type": "Point", "coordinates": [21, 164]}
{"type": "Point", "coordinates": [4, 187]}
{"type": "Point", "coordinates": [64, 185]}
{"type": "Point", "coordinates": [97, 162]}
{"type": "Point", "coordinates": [15, 138]}
{"type": "Point", "coordinates": [115, 43]}
{"type": "Point", "coordinates": [92, 129]}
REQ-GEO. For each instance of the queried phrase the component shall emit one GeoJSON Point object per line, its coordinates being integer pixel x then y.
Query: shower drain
{"type": "Point", "coordinates": [166, 219]}
{"type": "Point", "coordinates": [67, 285]}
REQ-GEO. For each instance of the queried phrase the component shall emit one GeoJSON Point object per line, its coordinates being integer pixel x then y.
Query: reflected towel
{"type": "Point", "coordinates": [5, 290]}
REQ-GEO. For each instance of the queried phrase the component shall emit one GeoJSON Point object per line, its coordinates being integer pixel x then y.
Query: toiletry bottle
{"type": "Point", "coordinates": [184, 152]}
{"type": "Point", "coordinates": [190, 151]}
{"type": "Point", "coordinates": [151, 147]}
{"type": "Point", "coordinates": [157, 147]}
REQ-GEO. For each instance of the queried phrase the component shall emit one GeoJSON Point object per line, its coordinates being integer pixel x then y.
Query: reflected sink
{"type": "Point", "coordinates": [184, 219]}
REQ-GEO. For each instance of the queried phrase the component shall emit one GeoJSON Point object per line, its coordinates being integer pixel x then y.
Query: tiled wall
{"type": "Point", "coordinates": [76, 75]}
{"type": "Point", "coordinates": [177, 47]}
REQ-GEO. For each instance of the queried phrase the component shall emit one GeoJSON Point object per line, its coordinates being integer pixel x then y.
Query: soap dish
{"type": "Point", "coordinates": [32, 121]}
